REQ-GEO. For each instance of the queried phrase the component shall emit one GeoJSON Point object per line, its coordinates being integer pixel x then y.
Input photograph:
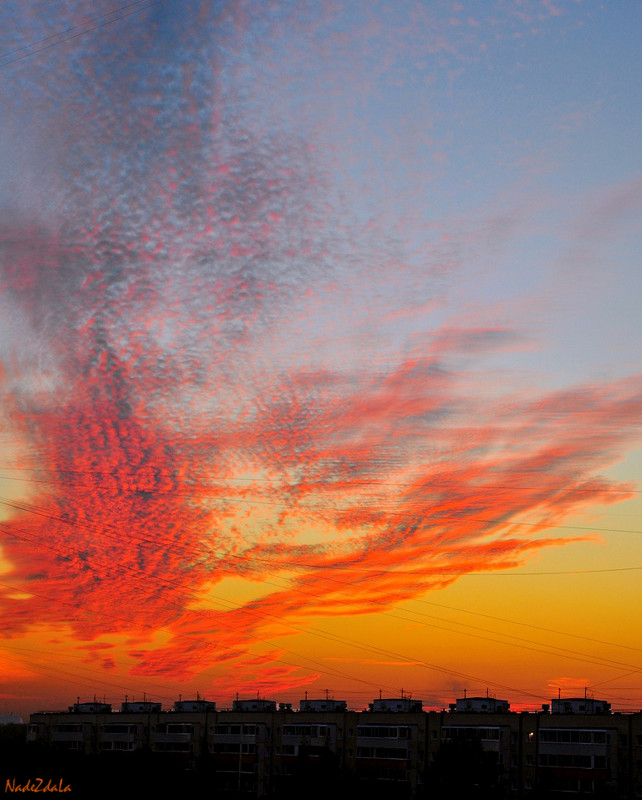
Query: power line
{"type": "Point", "coordinates": [320, 634]}
{"type": "Point", "coordinates": [527, 625]}
{"type": "Point", "coordinates": [575, 655]}
{"type": "Point", "coordinates": [305, 565]}
{"type": "Point", "coordinates": [320, 597]}
{"type": "Point", "coordinates": [437, 486]}
{"type": "Point", "coordinates": [361, 645]}
{"type": "Point", "coordinates": [82, 32]}
{"type": "Point", "coordinates": [239, 653]}
{"type": "Point", "coordinates": [435, 517]}
{"type": "Point", "coordinates": [559, 572]}
{"type": "Point", "coordinates": [381, 651]}
{"type": "Point", "coordinates": [61, 33]}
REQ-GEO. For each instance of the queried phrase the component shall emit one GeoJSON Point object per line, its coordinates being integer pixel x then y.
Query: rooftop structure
{"type": "Point", "coordinates": [90, 708]}
{"type": "Point", "coordinates": [396, 704]}
{"type": "Point", "coordinates": [488, 705]}
{"type": "Point", "coordinates": [194, 705]}
{"type": "Point", "coordinates": [580, 705]}
{"type": "Point", "coordinates": [254, 705]}
{"type": "Point", "coordinates": [323, 705]}
{"type": "Point", "coordinates": [143, 707]}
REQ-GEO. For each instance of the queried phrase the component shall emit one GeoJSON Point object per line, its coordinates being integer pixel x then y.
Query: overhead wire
{"type": "Point", "coordinates": [34, 510]}
{"type": "Point", "coordinates": [361, 645]}
{"type": "Point", "coordinates": [436, 517]}
{"type": "Point", "coordinates": [327, 636]}
{"type": "Point", "coordinates": [437, 485]}
{"type": "Point", "coordinates": [176, 634]}
{"type": "Point", "coordinates": [321, 634]}
{"type": "Point", "coordinates": [31, 508]}
{"type": "Point", "coordinates": [155, 542]}
{"type": "Point", "coordinates": [85, 29]}
{"type": "Point", "coordinates": [199, 640]}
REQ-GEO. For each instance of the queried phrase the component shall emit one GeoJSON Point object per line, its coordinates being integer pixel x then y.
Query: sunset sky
{"type": "Point", "coordinates": [320, 350]}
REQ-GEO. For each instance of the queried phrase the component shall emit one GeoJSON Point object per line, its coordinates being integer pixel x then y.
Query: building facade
{"type": "Point", "coordinates": [263, 749]}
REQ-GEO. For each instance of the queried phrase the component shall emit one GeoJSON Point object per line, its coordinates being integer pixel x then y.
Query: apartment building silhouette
{"type": "Point", "coordinates": [261, 748]}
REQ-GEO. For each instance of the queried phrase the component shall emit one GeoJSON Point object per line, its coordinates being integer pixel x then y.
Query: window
{"type": "Point", "coordinates": [471, 732]}
{"type": "Point", "coordinates": [119, 745]}
{"type": "Point", "coordinates": [172, 747]}
{"type": "Point", "coordinates": [118, 729]}
{"type": "Point", "coordinates": [399, 753]}
{"type": "Point", "coordinates": [123, 745]}
{"type": "Point", "coordinates": [573, 736]}
{"type": "Point", "coordinates": [227, 730]}
{"type": "Point", "coordinates": [387, 774]}
{"type": "Point", "coordinates": [567, 760]}
{"type": "Point", "coordinates": [234, 748]}
{"type": "Point", "coordinates": [179, 727]}
{"type": "Point", "coordinates": [305, 730]}
{"type": "Point", "coordinates": [383, 731]}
